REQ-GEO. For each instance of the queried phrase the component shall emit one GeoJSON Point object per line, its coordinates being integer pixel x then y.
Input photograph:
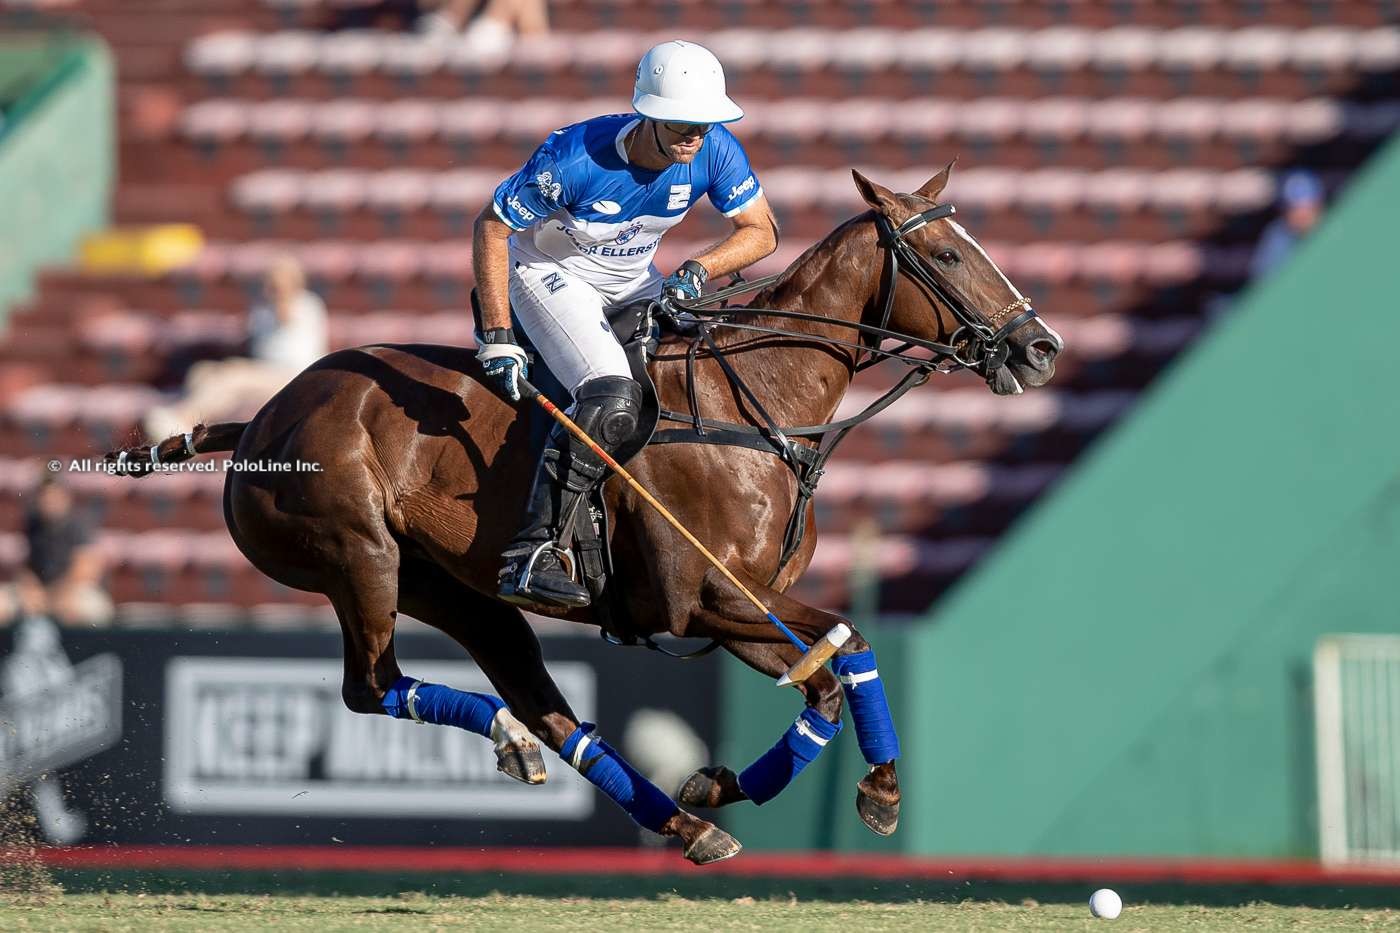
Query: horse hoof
{"type": "Point", "coordinates": [712, 845]}
{"type": "Point", "coordinates": [882, 818]}
{"type": "Point", "coordinates": [705, 788]}
{"type": "Point", "coordinates": [526, 765]}
{"type": "Point", "coordinates": [517, 752]}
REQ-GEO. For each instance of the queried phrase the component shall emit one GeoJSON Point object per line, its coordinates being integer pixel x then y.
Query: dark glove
{"type": "Point", "coordinates": [686, 283]}
{"type": "Point", "coordinates": [505, 363]}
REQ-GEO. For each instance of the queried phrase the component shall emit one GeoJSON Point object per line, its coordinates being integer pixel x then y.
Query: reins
{"type": "Point", "coordinates": [978, 344]}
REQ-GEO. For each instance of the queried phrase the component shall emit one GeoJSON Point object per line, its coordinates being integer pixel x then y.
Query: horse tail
{"type": "Point", "coordinates": [141, 459]}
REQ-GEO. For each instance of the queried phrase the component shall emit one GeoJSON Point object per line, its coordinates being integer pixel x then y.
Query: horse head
{"type": "Point", "coordinates": [952, 292]}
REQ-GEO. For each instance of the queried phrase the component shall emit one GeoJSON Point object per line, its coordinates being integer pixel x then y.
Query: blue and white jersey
{"type": "Point", "coordinates": [579, 203]}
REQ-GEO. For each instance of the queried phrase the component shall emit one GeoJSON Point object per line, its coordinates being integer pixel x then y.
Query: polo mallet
{"type": "Point", "coordinates": [812, 658]}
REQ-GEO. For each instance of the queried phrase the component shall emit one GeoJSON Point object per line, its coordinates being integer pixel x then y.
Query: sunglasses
{"type": "Point", "coordinates": [689, 129]}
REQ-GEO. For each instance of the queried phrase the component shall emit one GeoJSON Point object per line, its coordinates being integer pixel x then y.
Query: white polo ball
{"type": "Point", "coordinates": [1105, 903]}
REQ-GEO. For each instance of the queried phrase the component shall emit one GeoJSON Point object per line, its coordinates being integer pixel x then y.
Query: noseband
{"type": "Point", "coordinates": [979, 344]}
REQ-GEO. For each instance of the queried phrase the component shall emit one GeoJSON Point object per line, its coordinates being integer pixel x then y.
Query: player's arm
{"type": "Point", "coordinates": [754, 236]}
{"type": "Point", "coordinates": [491, 267]}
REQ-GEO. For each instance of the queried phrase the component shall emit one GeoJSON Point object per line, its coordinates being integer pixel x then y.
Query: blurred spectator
{"type": "Point", "coordinates": [286, 334]}
{"type": "Point", "coordinates": [62, 575]}
{"type": "Point", "coordinates": [494, 24]}
{"type": "Point", "coordinates": [1301, 201]}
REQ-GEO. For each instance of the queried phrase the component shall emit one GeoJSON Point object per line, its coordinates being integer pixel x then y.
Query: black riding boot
{"type": "Point", "coordinates": [532, 571]}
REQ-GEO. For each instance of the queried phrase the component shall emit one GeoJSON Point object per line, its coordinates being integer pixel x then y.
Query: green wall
{"type": "Point", "coordinates": [1129, 674]}
{"type": "Point", "coordinates": [57, 152]}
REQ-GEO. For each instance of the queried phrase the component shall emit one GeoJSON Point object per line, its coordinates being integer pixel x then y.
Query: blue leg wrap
{"type": "Point", "coordinates": [442, 706]}
{"type": "Point", "coordinates": [610, 773]}
{"type": "Point", "coordinates": [765, 778]}
{"type": "Point", "coordinates": [870, 710]}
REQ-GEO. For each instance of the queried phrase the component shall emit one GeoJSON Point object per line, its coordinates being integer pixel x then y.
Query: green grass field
{"type": "Point", "coordinates": [147, 913]}
{"type": "Point", "coordinates": [151, 901]}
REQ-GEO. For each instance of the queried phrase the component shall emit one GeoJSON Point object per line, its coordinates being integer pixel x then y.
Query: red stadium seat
{"type": "Point", "coordinates": [280, 121]}
{"type": "Point", "coordinates": [991, 119]}
{"type": "Point", "coordinates": [1243, 190]}
{"type": "Point", "coordinates": [1378, 50]}
{"type": "Point", "coordinates": [271, 191]}
{"type": "Point", "coordinates": [1120, 119]}
{"type": "Point", "coordinates": [350, 54]}
{"type": "Point", "coordinates": [286, 53]}
{"type": "Point", "coordinates": [799, 50]}
{"type": "Point", "coordinates": [343, 122]}
{"type": "Point", "coordinates": [405, 122]}
{"type": "Point", "coordinates": [328, 262]}
{"type": "Point", "coordinates": [1059, 49]}
{"type": "Point", "coordinates": [470, 120]}
{"type": "Point", "coordinates": [994, 49]}
{"type": "Point", "coordinates": [222, 54]}
{"type": "Point", "coordinates": [1190, 119]}
{"type": "Point", "coordinates": [1191, 48]}
{"type": "Point", "coordinates": [929, 49]}
{"type": "Point", "coordinates": [1257, 48]}
{"type": "Point", "coordinates": [410, 57]}
{"type": "Point", "coordinates": [1125, 48]}
{"type": "Point", "coordinates": [214, 122]}
{"type": "Point", "coordinates": [336, 191]}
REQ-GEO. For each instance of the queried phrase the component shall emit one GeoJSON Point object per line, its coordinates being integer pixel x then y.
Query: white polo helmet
{"type": "Point", "coordinates": [684, 83]}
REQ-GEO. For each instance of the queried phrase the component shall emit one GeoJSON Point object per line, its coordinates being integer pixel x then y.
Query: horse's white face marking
{"type": "Point", "coordinates": [1015, 292]}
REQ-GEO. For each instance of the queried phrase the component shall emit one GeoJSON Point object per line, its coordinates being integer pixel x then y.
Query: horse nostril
{"type": "Point", "coordinates": [1041, 353]}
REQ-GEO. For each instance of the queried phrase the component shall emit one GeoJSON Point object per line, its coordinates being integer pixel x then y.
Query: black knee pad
{"type": "Point", "coordinates": [608, 409]}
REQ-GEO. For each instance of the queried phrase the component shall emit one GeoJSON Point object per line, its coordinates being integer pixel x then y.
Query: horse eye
{"type": "Point", "coordinates": [948, 257]}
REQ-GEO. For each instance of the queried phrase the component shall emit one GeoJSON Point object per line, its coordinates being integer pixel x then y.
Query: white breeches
{"type": "Point", "coordinates": [563, 316]}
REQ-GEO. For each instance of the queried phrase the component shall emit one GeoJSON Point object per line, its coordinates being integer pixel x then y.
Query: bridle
{"type": "Point", "coordinates": [978, 344]}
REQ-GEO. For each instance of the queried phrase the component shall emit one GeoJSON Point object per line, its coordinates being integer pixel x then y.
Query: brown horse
{"type": "Point", "coordinates": [424, 472]}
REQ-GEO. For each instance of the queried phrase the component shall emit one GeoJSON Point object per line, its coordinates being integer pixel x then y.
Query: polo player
{"type": "Point", "coordinates": [575, 231]}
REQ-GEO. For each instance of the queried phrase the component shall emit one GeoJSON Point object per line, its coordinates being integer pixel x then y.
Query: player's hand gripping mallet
{"type": "Point", "coordinates": [812, 658]}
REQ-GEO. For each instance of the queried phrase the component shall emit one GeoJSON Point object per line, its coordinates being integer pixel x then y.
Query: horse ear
{"type": "Point", "coordinates": [935, 185]}
{"type": "Point", "coordinates": [876, 195]}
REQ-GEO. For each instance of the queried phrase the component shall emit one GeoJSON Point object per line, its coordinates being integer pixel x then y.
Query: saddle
{"type": "Point", "coordinates": [639, 333]}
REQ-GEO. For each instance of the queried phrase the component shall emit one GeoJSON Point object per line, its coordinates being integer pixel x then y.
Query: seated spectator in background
{"type": "Point", "coordinates": [62, 575]}
{"type": "Point", "coordinates": [494, 24]}
{"type": "Point", "coordinates": [1301, 201]}
{"type": "Point", "coordinates": [286, 334]}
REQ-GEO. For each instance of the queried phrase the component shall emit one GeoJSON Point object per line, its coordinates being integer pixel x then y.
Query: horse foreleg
{"type": "Point", "coordinates": [763, 780]}
{"type": "Point", "coordinates": [723, 613]}
{"type": "Point", "coordinates": [502, 643]}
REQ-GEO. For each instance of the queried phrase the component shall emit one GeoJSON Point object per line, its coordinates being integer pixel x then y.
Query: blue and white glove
{"type": "Point", "coordinates": [505, 363]}
{"type": "Point", "coordinates": [686, 283]}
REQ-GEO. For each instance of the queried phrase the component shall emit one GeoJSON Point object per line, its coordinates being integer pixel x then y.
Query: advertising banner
{"type": "Point", "coordinates": [241, 737]}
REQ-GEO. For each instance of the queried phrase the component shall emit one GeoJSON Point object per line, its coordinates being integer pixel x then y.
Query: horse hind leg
{"type": "Point", "coordinates": [366, 602]}
{"type": "Point", "coordinates": [517, 748]}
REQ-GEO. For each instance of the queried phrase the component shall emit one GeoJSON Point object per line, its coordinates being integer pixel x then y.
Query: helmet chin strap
{"type": "Point", "coordinates": [656, 137]}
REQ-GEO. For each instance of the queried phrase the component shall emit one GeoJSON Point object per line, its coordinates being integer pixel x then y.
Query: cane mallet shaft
{"type": "Point", "coordinates": [812, 658]}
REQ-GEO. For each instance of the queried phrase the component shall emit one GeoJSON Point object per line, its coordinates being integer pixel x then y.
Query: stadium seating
{"type": "Point", "coordinates": [1116, 158]}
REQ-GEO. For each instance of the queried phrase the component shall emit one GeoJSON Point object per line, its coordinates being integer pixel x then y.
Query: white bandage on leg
{"type": "Point", "coordinates": [576, 759]}
{"type": "Point", "coordinates": [852, 679]}
{"type": "Point", "coordinates": [411, 701]}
